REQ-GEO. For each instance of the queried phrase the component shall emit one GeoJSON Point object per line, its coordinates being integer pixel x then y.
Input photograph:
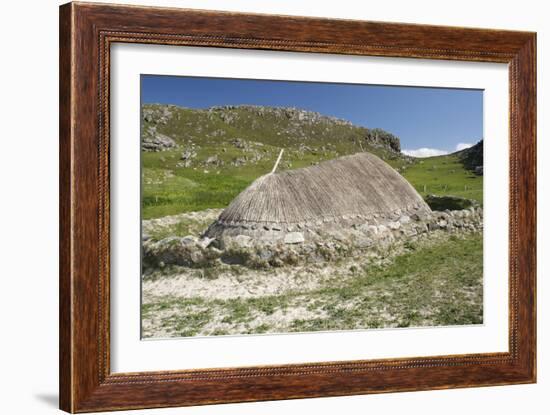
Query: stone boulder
{"type": "Point", "coordinates": [294, 238]}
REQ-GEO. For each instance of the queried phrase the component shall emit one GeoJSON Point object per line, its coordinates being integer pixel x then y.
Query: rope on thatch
{"type": "Point", "coordinates": [357, 185]}
{"type": "Point", "coordinates": [278, 160]}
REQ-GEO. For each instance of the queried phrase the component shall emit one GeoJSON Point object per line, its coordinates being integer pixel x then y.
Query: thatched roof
{"type": "Point", "coordinates": [356, 186]}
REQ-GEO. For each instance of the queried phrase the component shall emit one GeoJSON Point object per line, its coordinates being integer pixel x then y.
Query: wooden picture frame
{"type": "Point", "coordinates": [86, 33]}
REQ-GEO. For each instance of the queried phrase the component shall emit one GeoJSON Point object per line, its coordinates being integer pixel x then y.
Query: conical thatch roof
{"type": "Point", "coordinates": [356, 186]}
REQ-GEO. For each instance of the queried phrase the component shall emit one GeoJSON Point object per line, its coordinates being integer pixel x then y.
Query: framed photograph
{"type": "Point", "coordinates": [260, 207]}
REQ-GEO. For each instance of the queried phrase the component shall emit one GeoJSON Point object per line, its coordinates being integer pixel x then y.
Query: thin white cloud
{"type": "Point", "coordinates": [425, 152]}
{"type": "Point", "coordinates": [432, 152]}
{"type": "Point", "coordinates": [463, 146]}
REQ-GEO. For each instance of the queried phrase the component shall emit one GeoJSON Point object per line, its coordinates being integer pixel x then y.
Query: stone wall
{"type": "Point", "coordinates": [372, 236]}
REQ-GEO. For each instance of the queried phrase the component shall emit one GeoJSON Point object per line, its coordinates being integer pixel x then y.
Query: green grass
{"type": "Point", "coordinates": [183, 227]}
{"type": "Point", "coordinates": [444, 175]}
{"type": "Point", "coordinates": [175, 189]}
{"type": "Point", "coordinates": [433, 285]}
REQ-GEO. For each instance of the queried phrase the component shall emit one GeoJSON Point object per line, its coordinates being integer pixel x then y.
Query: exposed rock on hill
{"type": "Point", "coordinates": [151, 140]}
{"type": "Point", "coordinates": [472, 158]}
{"type": "Point", "coordinates": [157, 114]}
{"type": "Point", "coordinates": [245, 124]}
{"type": "Point", "coordinates": [379, 137]}
{"type": "Point", "coordinates": [230, 113]}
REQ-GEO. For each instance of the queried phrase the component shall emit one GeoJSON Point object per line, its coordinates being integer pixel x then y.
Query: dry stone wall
{"type": "Point", "coordinates": [310, 244]}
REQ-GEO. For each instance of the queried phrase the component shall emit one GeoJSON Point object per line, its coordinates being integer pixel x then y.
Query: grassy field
{"type": "Point", "coordinates": [444, 175]}
{"type": "Point", "coordinates": [349, 295]}
{"type": "Point", "coordinates": [169, 189]}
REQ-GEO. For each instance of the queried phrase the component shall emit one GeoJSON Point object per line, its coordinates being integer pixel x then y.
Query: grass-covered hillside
{"type": "Point", "coordinates": [198, 159]}
{"type": "Point", "coordinates": [444, 175]}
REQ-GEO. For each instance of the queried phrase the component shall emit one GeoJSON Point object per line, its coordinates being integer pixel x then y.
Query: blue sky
{"type": "Point", "coordinates": [428, 121]}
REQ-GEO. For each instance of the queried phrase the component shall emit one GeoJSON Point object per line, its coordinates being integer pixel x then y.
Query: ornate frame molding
{"type": "Point", "coordinates": [86, 34]}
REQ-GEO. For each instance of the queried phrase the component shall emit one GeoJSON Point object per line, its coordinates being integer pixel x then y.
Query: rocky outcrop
{"type": "Point", "coordinates": [280, 126]}
{"type": "Point", "coordinates": [151, 140]}
{"type": "Point", "coordinates": [231, 113]}
{"type": "Point", "coordinates": [472, 158]}
{"type": "Point", "coordinates": [158, 142]}
{"type": "Point", "coordinates": [158, 114]}
{"type": "Point", "coordinates": [380, 138]}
